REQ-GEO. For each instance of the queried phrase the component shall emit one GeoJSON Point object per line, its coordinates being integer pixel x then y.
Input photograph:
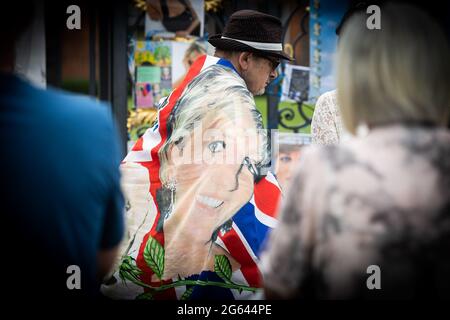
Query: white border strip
{"type": "Point", "coordinates": [265, 219]}
{"type": "Point", "coordinates": [138, 156]}
{"type": "Point", "coordinates": [245, 243]}
{"type": "Point", "coordinates": [209, 61]}
{"type": "Point", "coordinates": [273, 180]}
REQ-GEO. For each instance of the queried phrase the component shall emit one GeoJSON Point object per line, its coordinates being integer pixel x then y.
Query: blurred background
{"type": "Point", "coordinates": [127, 53]}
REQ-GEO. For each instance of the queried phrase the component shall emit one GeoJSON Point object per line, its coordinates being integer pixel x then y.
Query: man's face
{"type": "Point", "coordinates": [260, 72]}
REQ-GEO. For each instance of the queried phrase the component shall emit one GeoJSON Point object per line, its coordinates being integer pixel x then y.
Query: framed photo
{"type": "Point", "coordinates": [286, 152]}
{"type": "Point", "coordinates": [295, 83]}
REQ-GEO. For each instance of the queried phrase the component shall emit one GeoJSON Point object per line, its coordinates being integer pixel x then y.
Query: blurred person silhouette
{"type": "Point", "coordinates": [373, 212]}
{"type": "Point", "coordinates": [61, 199]}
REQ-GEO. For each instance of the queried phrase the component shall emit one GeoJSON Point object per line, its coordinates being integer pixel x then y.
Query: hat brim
{"type": "Point", "coordinates": [232, 45]}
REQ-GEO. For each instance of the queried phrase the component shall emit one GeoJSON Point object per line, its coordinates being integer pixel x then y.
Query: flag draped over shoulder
{"type": "Point", "coordinates": [197, 222]}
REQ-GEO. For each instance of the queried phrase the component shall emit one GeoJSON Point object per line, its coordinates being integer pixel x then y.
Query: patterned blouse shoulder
{"type": "Point", "coordinates": [326, 125]}
{"type": "Point", "coordinates": [360, 204]}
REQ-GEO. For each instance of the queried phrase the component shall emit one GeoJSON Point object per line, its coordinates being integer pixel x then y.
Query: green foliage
{"type": "Point", "coordinates": [145, 296]}
{"type": "Point", "coordinates": [128, 270]}
{"type": "Point", "coordinates": [154, 256]}
{"type": "Point", "coordinates": [187, 294]}
{"type": "Point", "coordinates": [222, 267]}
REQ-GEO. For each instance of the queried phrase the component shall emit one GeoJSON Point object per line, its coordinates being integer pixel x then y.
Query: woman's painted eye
{"type": "Point", "coordinates": [285, 159]}
{"type": "Point", "coordinates": [216, 146]}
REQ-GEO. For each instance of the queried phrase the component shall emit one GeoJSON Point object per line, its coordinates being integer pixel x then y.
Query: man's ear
{"type": "Point", "coordinates": [244, 59]}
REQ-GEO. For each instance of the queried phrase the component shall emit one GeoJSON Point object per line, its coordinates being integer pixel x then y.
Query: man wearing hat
{"type": "Point", "coordinates": [196, 220]}
{"type": "Point", "coordinates": [252, 42]}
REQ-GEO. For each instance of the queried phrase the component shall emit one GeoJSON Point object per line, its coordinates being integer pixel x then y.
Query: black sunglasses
{"type": "Point", "coordinates": [274, 61]}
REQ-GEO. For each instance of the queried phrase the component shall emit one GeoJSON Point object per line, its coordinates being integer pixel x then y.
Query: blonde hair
{"type": "Point", "coordinates": [398, 74]}
{"type": "Point", "coordinates": [214, 90]}
{"type": "Point", "coordinates": [195, 47]}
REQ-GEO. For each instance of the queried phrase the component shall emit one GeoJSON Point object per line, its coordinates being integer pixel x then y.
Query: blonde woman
{"type": "Point", "coordinates": [370, 218]}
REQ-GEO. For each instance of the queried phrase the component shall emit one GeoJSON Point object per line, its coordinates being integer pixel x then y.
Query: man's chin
{"type": "Point", "coordinates": [260, 92]}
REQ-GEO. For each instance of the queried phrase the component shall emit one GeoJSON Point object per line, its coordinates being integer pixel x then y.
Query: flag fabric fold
{"type": "Point", "coordinates": [198, 207]}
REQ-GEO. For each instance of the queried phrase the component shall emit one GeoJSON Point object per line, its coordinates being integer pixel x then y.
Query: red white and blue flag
{"type": "Point", "coordinates": [140, 273]}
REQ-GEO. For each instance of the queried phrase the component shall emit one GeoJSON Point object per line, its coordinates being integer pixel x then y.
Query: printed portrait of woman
{"type": "Point", "coordinates": [191, 54]}
{"type": "Point", "coordinates": [288, 157]}
{"type": "Point", "coordinates": [209, 163]}
{"type": "Point", "coordinates": [184, 204]}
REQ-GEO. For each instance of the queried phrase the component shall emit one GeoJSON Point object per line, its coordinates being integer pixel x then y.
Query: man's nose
{"type": "Point", "coordinates": [273, 74]}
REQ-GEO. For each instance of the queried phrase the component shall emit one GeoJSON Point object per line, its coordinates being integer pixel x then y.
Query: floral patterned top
{"type": "Point", "coordinates": [382, 200]}
{"type": "Point", "coordinates": [326, 125]}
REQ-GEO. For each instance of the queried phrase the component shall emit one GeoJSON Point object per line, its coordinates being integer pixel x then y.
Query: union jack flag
{"type": "Point", "coordinates": [243, 241]}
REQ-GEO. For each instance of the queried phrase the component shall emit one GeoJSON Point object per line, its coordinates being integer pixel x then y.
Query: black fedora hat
{"type": "Point", "coordinates": [249, 30]}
